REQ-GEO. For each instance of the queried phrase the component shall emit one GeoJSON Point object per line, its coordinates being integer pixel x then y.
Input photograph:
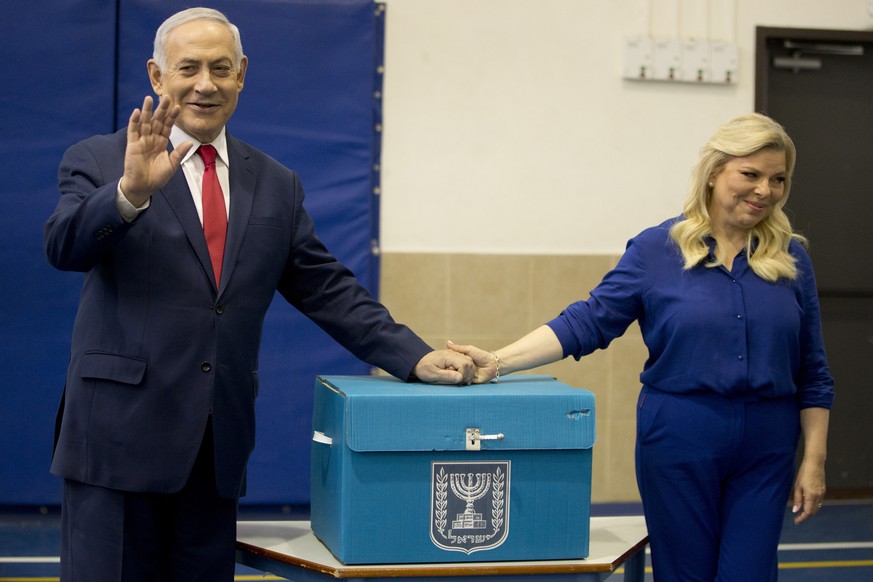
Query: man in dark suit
{"type": "Point", "coordinates": [157, 421]}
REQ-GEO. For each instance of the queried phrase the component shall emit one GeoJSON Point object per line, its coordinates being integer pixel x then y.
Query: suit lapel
{"type": "Point", "coordinates": [242, 194]}
{"type": "Point", "coordinates": [178, 196]}
{"type": "Point", "coordinates": [242, 187]}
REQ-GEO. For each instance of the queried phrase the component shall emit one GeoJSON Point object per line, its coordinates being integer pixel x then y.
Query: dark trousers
{"type": "Point", "coordinates": [715, 475]}
{"type": "Point", "coordinates": [119, 536]}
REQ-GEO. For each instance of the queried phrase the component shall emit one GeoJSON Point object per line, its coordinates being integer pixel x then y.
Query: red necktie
{"type": "Point", "coordinates": [214, 211]}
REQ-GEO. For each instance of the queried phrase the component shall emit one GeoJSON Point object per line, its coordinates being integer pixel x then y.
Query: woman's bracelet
{"type": "Point", "coordinates": [496, 365]}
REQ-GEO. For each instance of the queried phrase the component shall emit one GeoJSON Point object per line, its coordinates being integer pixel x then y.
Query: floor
{"type": "Point", "coordinates": [835, 546]}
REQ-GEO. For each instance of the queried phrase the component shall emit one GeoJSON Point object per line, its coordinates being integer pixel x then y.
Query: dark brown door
{"type": "Point", "coordinates": [819, 85]}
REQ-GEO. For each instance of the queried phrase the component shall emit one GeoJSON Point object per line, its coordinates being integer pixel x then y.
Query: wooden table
{"type": "Point", "coordinates": [291, 550]}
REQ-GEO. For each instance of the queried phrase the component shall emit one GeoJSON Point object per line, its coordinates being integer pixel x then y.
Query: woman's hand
{"type": "Point", "coordinates": [809, 490]}
{"type": "Point", "coordinates": [485, 362]}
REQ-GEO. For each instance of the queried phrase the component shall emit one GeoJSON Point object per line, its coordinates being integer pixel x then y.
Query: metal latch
{"type": "Point", "coordinates": [475, 438]}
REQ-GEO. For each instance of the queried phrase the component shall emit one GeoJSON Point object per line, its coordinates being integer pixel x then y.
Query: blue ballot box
{"type": "Point", "coordinates": [411, 473]}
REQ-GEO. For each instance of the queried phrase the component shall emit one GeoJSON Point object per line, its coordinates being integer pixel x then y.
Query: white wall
{"type": "Point", "coordinates": [509, 129]}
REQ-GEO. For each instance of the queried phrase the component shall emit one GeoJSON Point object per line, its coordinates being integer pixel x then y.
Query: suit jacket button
{"type": "Point", "coordinates": [206, 366]}
{"type": "Point", "coordinates": [219, 309]}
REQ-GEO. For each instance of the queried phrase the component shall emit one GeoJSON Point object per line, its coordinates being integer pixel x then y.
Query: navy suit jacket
{"type": "Point", "coordinates": [157, 349]}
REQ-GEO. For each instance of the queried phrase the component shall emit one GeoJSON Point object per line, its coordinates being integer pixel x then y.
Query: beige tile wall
{"type": "Point", "coordinates": [492, 300]}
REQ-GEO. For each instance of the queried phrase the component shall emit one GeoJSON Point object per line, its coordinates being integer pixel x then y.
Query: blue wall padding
{"type": "Point", "coordinates": [310, 100]}
{"type": "Point", "coordinates": [60, 68]}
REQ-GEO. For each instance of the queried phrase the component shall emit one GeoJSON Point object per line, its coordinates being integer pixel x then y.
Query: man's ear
{"type": "Point", "coordinates": [155, 77]}
{"type": "Point", "coordinates": [241, 74]}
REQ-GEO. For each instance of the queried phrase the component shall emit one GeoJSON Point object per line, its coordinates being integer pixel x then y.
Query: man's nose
{"type": "Point", "coordinates": [205, 84]}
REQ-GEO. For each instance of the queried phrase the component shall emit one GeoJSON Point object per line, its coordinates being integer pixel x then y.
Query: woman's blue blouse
{"type": "Point", "coordinates": [707, 329]}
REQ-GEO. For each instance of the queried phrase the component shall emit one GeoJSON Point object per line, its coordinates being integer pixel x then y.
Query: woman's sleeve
{"type": "Point", "coordinates": [815, 385]}
{"type": "Point", "coordinates": [613, 305]}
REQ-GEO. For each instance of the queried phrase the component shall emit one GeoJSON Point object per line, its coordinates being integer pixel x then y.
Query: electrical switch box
{"type": "Point", "coordinates": [695, 61]}
{"type": "Point", "coordinates": [667, 65]}
{"type": "Point", "coordinates": [680, 60]}
{"type": "Point", "coordinates": [724, 59]}
{"type": "Point", "coordinates": [638, 58]}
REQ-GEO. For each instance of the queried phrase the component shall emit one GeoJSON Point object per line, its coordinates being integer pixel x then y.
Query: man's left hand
{"type": "Point", "coordinates": [445, 367]}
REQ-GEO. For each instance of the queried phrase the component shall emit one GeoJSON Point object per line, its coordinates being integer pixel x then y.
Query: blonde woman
{"type": "Point", "coordinates": [726, 299]}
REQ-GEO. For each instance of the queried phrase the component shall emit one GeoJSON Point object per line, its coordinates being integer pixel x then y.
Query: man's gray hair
{"type": "Point", "coordinates": [160, 55]}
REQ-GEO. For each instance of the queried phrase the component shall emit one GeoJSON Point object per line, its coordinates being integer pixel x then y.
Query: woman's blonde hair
{"type": "Point", "coordinates": [769, 239]}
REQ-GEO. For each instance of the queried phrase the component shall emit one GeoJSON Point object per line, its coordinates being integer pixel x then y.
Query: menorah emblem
{"type": "Point", "coordinates": [456, 488]}
{"type": "Point", "coordinates": [464, 487]}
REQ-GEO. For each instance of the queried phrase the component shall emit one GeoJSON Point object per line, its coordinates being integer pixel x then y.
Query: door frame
{"type": "Point", "coordinates": [763, 34]}
{"type": "Point", "coordinates": [837, 304]}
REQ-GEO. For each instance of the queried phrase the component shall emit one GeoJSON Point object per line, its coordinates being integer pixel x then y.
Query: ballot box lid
{"type": "Point", "coordinates": [520, 412]}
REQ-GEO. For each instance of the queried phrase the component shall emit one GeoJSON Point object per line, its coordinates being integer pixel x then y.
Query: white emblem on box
{"type": "Point", "coordinates": [469, 504]}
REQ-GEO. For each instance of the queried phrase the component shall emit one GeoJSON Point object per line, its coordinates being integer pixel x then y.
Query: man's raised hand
{"type": "Point", "coordinates": [148, 166]}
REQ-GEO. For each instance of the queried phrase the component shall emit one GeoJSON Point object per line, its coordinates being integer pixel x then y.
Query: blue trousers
{"type": "Point", "coordinates": [715, 475]}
